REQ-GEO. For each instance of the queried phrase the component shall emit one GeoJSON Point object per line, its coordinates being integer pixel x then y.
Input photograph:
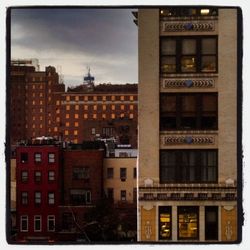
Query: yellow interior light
{"type": "Point", "coordinates": [205, 11]}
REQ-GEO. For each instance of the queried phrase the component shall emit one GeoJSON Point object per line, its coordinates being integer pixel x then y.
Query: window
{"type": "Point", "coordinates": [68, 107]}
{"type": "Point", "coordinates": [131, 116]}
{"type": "Point", "coordinates": [108, 131]}
{"type": "Point", "coordinates": [122, 107]}
{"type": "Point", "coordinates": [51, 175]}
{"type": "Point", "coordinates": [76, 116]}
{"type": "Point", "coordinates": [188, 166]}
{"type": "Point", "coordinates": [24, 222]}
{"type": "Point", "coordinates": [37, 223]}
{"type": "Point", "coordinates": [123, 195]}
{"type": "Point", "coordinates": [85, 116]}
{"type": "Point", "coordinates": [51, 222]}
{"type": "Point", "coordinates": [24, 157]}
{"type": "Point", "coordinates": [131, 98]}
{"type": "Point", "coordinates": [77, 98]}
{"type": "Point", "coordinates": [110, 173]}
{"type": "Point", "coordinates": [67, 221]}
{"type": "Point", "coordinates": [188, 111]}
{"type": "Point", "coordinates": [95, 107]}
{"type": "Point", "coordinates": [165, 223]}
{"type": "Point", "coordinates": [104, 107]}
{"type": "Point", "coordinates": [67, 116]}
{"type": "Point", "coordinates": [80, 197]}
{"type": "Point", "coordinates": [51, 157]}
{"type": "Point", "coordinates": [75, 132]}
{"type": "Point", "coordinates": [188, 223]}
{"type": "Point", "coordinates": [38, 198]}
{"type": "Point", "coordinates": [38, 176]}
{"type": "Point", "coordinates": [211, 223]}
{"type": "Point", "coordinates": [122, 97]}
{"type": "Point", "coordinates": [57, 119]}
{"type": "Point", "coordinates": [80, 173]}
{"type": "Point", "coordinates": [67, 124]}
{"type": "Point", "coordinates": [110, 194]}
{"type": "Point", "coordinates": [76, 124]}
{"type": "Point", "coordinates": [77, 107]}
{"type": "Point", "coordinates": [38, 157]}
{"type": "Point", "coordinates": [51, 198]}
{"type": "Point", "coordinates": [131, 107]}
{"type": "Point", "coordinates": [85, 107]}
{"type": "Point", "coordinates": [134, 194]}
{"type": "Point", "coordinates": [123, 174]}
{"type": "Point", "coordinates": [188, 12]}
{"type": "Point", "coordinates": [24, 176]}
{"type": "Point", "coordinates": [94, 116]}
{"type": "Point", "coordinates": [24, 198]}
{"type": "Point", "coordinates": [134, 173]}
{"type": "Point", "coordinates": [188, 54]}
{"type": "Point", "coordinates": [112, 107]}
{"type": "Point", "coordinates": [55, 129]}
{"type": "Point", "coordinates": [66, 132]}
{"type": "Point", "coordinates": [67, 98]}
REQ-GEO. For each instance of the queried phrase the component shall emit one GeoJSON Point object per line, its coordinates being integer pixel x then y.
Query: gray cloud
{"type": "Point", "coordinates": [104, 38]}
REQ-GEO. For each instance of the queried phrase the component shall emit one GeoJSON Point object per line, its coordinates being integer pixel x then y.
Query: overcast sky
{"type": "Point", "coordinates": [104, 39]}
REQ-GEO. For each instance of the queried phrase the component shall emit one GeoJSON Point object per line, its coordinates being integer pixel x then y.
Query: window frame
{"type": "Point", "coordinates": [179, 54]}
{"type": "Point", "coordinates": [164, 210]}
{"type": "Point", "coordinates": [22, 219]}
{"type": "Point", "coordinates": [51, 198]}
{"type": "Point", "coordinates": [123, 174]}
{"type": "Point", "coordinates": [37, 157]}
{"type": "Point", "coordinates": [38, 200]}
{"type": "Point", "coordinates": [82, 174]}
{"type": "Point", "coordinates": [51, 159]}
{"type": "Point", "coordinates": [24, 198]}
{"type": "Point", "coordinates": [38, 218]}
{"type": "Point", "coordinates": [36, 179]}
{"type": "Point", "coordinates": [24, 157]}
{"type": "Point", "coordinates": [110, 173]}
{"type": "Point", "coordinates": [178, 167]}
{"type": "Point", "coordinates": [123, 195]}
{"type": "Point", "coordinates": [23, 178]}
{"type": "Point", "coordinates": [49, 219]}
{"type": "Point", "coordinates": [49, 176]}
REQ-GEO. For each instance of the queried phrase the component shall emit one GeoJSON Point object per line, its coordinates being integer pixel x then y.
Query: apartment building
{"type": "Point", "coordinates": [189, 158]}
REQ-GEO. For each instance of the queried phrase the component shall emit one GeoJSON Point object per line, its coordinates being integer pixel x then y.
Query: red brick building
{"type": "Point", "coordinates": [38, 191]}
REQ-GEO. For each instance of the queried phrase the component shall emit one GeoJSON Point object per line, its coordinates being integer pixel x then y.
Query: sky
{"type": "Point", "coordinates": [73, 39]}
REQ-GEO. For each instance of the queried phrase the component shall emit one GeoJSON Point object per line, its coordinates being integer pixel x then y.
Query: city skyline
{"type": "Point", "coordinates": [73, 39]}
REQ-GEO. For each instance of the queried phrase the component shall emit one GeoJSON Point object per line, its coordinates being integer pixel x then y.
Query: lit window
{"type": "Point", "coordinates": [24, 176]}
{"type": "Point", "coordinates": [49, 99]}
{"type": "Point", "coordinates": [24, 223]}
{"type": "Point", "coordinates": [85, 107]}
{"type": "Point", "coordinates": [33, 86]}
{"type": "Point", "coordinates": [85, 116]}
{"type": "Point", "coordinates": [104, 98]}
{"type": "Point", "coordinates": [104, 107]}
{"type": "Point", "coordinates": [51, 157]}
{"type": "Point", "coordinates": [131, 98]}
{"type": "Point", "coordinates": [66, 132]}
{"type": "Point", "coordinates": [75, 141]}
{"type": "Point", "coordinates": [38, 157]}
{"type": "Point", "coordinates": [49, 122]}
{"type": "Point", "coordinates": [103, 116]}
{"type": "Point", "coordinates": [164, 223]}
{"type": "Point", "coordinates": [33, 118]}
{"type": "Point", "coordinates": [38, 176]}
{"type": "Point", "coordinates": [77, 107]}
{"type": "Point", "coordinates": [41, 86]}
{"type": "Point", "coordinates": [67, 98]}
{"type": "Point", "coordinates": [76, 116]}
{"type": "Point", "coordinates": [38, 198]}
{"type": "Point", "coordinates": [95, 107]}
{"type": "Point", "coordinates": [57, 102]}
{"type": "Point", "coordinates": [33, 126]}
{"type": "Point", "coordinates": [41, 110]}
{"type": "Point", "coordinates": [95, 98]}
{"type": "Point", "coordinates": [51, 198]}
{"type": "Point", "coordinates": [57, 119]}
{"type": "Point", "coordinates": [67, 124]}
{"type": "Point", "coordinates": [122, 115]}
{"type": "Point", "coordinates": [86, 98]}
{"type": "Point", "coordinates": [51, 221]}
{"type": "Point", "coordinates": [77, 98]}
{"type": "Point", "coordinates": [76, 124]}
{"type": "Point", "coordinates": [67, 116]}
{"type": "Point", "coordinates": [41, 126]}
{"type": "Point", "coordinates": [75, 132]}
{"type": "Point", "coordinates": [113, 107]}
{"type": "Point", "coordinates": [55, 129]}
{"type": "Point", "coordinates": [41, 102]}
{"type": "Point", "coordinates": [131, 107]}
{"type": "Point", "coordinates": [122, 97]}
{"type": "Point", "coordinates": [58, 111]}
{"type": "Point", "coordinates": [113, 98]}
{"type": "Point", "coordinates": [123, 195]}
{"type": "Point", "coordinates": [51, 175]}
{"type": "Point", "coordinates": [188, 222]}
{"type": "Point", "coordinates": [131, 116]}
{"type": "Point", "coordinates": [122, 107]}
{"type": "Point", "coordinates": [24, 198]}
{"type": "Point", "coordinates": [37, 223]}
{"type": "Point", "coordinates": [67, 107]}
{"type": "Point", "coordinates": [33, 102]}
{"type": "Point", "coordinates": [112, 116]}
{"type": "Point", "coordinates": [41, 118]}
{"type": "Point", "coordinates": [94, 116]}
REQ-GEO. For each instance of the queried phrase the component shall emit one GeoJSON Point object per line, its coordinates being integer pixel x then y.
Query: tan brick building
{"type": "Point", "coordinates": [188, 155]}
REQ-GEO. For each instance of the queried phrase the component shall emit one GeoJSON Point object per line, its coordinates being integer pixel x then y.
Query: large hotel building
{"type": "Point", "coordinates": [188, 86]}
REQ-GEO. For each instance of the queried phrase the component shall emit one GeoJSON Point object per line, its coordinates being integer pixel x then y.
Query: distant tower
{"type": "Point", "coordinates": [88, 80]}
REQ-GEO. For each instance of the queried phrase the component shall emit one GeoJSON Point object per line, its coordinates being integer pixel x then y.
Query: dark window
{"type": "Point", "coordinates": [188, 223]}
{"type": "Point", "coordinates": [188, 111]}
{"type": "Point", "coordinates": [188, 54]}
{"type": "Point", "coordinates": [24, 176]}
{"type": "Point", "coordinates": [211, 223]}
{"type": "Point", "coordinates": [123, 174]}
{"type": "Point", "coordinates": [37, 223]}
{"type": "Point", "coordinates": [51, 175]}
{"type": "Point", "coordinates": [123, 195]}
{"type": "Point", "coordinates": [110, 173]}
{"type": "Point", "coordinates": [187, 166]}
{"type": "Point", "coordinates": [110, 193]}
{"type": "Point", "coordinates": [134, 173]}
{"type": "Point", "coordinates": [51, 223]}
{"type": "Point", "coordinates": [24, 196]}
{"type": "Point", "coordinates": [38, 176]}
{"type": "Point", "coordinates": [67, 221]}
{"type": "Point", "coordinates": [38, 157]}
{"type": "Point", "coordinates": [108, 131]}
{"type": "Point", "coordinates": [24, 223]}
{"type": "Point", "coordinates": [38, 198]}
{"type": "Point", "coordinates": [80, 197]}
{"type": "Point", "coordinates": [165, 223]}
{"type": "Point", "coordinates": [24, 157]}
{"type": "Point", "coordinates": [51, 157]}
{"type": "Point", "coordinates": [134, 194]}
{"type": "Point", "coordinates": [80, 173]}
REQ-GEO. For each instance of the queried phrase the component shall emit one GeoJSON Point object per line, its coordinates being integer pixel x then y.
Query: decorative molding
{"type": "Point", "coordinates": [148, 230]}
{"type": "Point", "coordinates": [188, 26]}
{"type": "Point", "coordinates": [188, 83]}
{"type": "Point", "coordinates": [191, 140]}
